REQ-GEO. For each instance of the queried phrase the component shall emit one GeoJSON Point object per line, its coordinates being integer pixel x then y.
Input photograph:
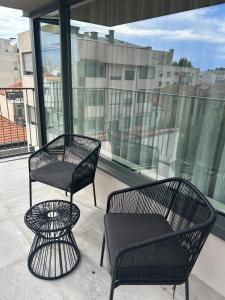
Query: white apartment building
{"type": "Point", "coordinates": [125, 65]}
{"type": "Point", "coordinates": [112, 83]}
{"type": "Point", "coordinates": [9, 62]}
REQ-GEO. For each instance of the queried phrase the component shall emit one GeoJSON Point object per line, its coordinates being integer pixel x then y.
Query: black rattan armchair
{"type": "Point", "coordinates": [68, 162]}
{"type": "Point", "coordinates": [155, 232]}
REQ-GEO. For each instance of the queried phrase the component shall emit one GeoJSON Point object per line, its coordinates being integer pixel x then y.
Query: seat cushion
{"type": "Point", "coordinates": [56, 173]}
{"type": "Point", "coordinates": [123, 230]}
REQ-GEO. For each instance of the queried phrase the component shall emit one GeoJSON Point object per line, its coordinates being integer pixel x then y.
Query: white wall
{"type": "Point", "coordinates": [210, 266]}
{"type": "Point", "coordinates": [8, 76]}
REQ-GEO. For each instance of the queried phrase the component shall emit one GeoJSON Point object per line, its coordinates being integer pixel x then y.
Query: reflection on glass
{"type": "Point", "coordinates": [154, 93]}
{"type": "Point", "coordinates": [50, 51]}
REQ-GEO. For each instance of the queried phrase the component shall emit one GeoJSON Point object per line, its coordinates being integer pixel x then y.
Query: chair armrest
{"type": "Point", "coordinates": [160, 250]}
{"type": "Point", "coordinates": [149, 198]}
{"type": "Point", "coordinates": [44, 155]}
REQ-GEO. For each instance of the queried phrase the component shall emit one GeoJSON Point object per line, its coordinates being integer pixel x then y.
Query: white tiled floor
{"type": "Point", "coordinates": [88, 281]}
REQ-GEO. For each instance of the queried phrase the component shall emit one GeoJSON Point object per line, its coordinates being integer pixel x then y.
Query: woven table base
{"type": "Point", "coordinates": [53, 258]}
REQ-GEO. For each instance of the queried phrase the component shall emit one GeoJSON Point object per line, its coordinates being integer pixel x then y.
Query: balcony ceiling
{"type": "Point", "coordinates": [112, 12]}
{"type": "Point", "coordinates": [115, 12]}
{"type": "Point", "coordinates": [28, 6]}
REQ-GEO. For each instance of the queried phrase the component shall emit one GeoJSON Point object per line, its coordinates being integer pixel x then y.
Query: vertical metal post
{"type": "Point", "coordinates": [66, 74]}
{"type": "Point", "coordinates": [30, 191]}
{"type": "Point", "coordinates": [103, 250]}
{"type": "Point", "coordinates": [112, 287]}
{"type": "Point", "coordinates": [186, 290]}
{"type": "Point", "coordinates": [95, 203]}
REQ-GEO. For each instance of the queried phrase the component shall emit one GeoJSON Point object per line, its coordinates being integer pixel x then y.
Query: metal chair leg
{"type": "Point", "coordinates": [186, 290]}
{"type": "Point", "coordinates": [71, 197]}
{"type": "Point", "coordinates": [30, 192]}
{"type": "Point", "coordinates": [112, 289]}
{"type": "Point", "coordinates": [94, 194]}
{"type": "Point", "coordinates": [103, 250]}
{"type": "Point", "coordinates": [71, 202]}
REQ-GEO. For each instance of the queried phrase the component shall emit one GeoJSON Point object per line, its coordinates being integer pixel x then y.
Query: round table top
{"type": "Point", "coordinates": [52, 216]}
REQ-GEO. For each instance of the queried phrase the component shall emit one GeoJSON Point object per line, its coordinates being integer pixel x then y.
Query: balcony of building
{"type": "Point", "coordinates": [89, 280]}
{"type": "Point", "coordinates": [19, 136]}
{"type": "Point", "coordinates": [153, 119]}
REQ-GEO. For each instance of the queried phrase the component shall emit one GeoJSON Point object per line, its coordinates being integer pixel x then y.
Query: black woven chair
{"type": "Point", "coordinates": [68, 162]}
{"type": "Point", "coordinates": [155, 232]}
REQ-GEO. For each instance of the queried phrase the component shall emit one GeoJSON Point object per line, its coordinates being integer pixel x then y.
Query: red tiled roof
{"type": "Point", "coordinates": [10, 132]}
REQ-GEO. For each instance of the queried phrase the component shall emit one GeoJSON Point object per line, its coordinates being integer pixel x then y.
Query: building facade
{"type": "Point", "coordinates": [10, 63]}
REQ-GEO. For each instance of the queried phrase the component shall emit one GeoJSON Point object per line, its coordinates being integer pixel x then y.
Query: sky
{"type": "Point", "coordinates": [198, 35]}
{"type": "Point", "coordinates": [12, 22]}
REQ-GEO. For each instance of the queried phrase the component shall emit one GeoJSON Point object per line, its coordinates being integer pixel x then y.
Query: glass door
{"type": "Point", "coordinates": [52, 81]}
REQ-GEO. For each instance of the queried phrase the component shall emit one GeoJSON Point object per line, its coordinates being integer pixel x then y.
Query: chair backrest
{"type": "Point", "coordinates": [84, 153]}
{"type": "Point", "coordinates": [188, 207]}
{"type": "Point", "coordinates": [78, 147]}
{"type": "Point", "coordinates": [192, 215]}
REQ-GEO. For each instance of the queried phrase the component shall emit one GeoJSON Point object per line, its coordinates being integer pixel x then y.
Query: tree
{"type": "Point", "coordinates": [184, 62]}
{"type": "Point", "coordinates": [220, 69]}
{"type": "Point", "coordinates": [175, 63]}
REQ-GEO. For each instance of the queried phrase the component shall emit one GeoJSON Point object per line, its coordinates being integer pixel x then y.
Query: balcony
{"type": "Point", "coordinates": [19, 136]}
{"type": "Point", "coordinates": [89, 280]}
{"type": "Point", "coordinates": [156, 118]}
{"type": "Point", "coordinates": [18, 123]}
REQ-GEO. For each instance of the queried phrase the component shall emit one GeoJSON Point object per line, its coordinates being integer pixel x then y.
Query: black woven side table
{"type": "Point", "coordinates": [54, 252]}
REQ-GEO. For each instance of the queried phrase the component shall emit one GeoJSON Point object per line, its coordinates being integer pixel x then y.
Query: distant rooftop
{"type": "Point", "coordinates": [11, 133]}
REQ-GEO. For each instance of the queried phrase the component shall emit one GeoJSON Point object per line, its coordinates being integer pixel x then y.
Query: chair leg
{"type": "Point", "coordinates": [30, 192]}
{"type": "Point", "coordinates": [103, 250]}
{"type": "Point", "coordinates": [66, 193]}
{"type": "Point", "coordinates": [71, 202]}
{"type": "Point", "coordinates": [94, 194]}
{"type": "Point", "coordinates": [186, 290]}
{"type": "Point", "coordinates": [71, 197]}
{"type": "Point", "coordinates": [112, 289]}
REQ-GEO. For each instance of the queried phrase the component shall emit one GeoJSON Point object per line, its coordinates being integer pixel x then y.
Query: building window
{"type": "Point", "coordinates": [160, 83]}
{"type": "Point", "coordinates": [126, 123]}
{"type": "Point", "coordinates": [146, 72]}
{"type": "Point", "coordinates": [95, 69]}
{"type": "Point", "coordinates": [168, 74]}
{"type": "Point", "coordinates": [115, 77]}
{"type": "Point", "coordinates": [129, 74]}
{"type": "Point", "coordinates": [139, 119]}
{"type": "Point", "coordinates": [15, 96]}
{"type": "Point", "coordinates": [95, 124]}
{"type": "Point", "coordinates": [95, 97]}
{"type": "Point", "coordinates": [27, 63]}
{"type": "Point", "coordinates": [127, 101]}
{"type": "Point", "coordinates": [160, 74]}
{"type": "Point", "coordinates": [167, 83]}
{"type": "Point", "coordinates": [114, 125]}
{"type": "Point", "coordinates": [185, 79]}
{"type": "Point", "coordinates": [141, 97]}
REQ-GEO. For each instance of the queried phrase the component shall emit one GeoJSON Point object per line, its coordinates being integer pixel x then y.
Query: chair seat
{"type": "Point", "coordinates": [123, 230]}
{"type": "Point", "coordinates": [56, 173]}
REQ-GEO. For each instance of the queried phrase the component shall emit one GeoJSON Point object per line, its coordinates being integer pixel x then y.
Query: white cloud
{"type": "Point", "coordinates": [12, 22]}
{"type": "Point", "coordinates": [173, 34]}
{"type": "Point", "coordinates": [198, 25]}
